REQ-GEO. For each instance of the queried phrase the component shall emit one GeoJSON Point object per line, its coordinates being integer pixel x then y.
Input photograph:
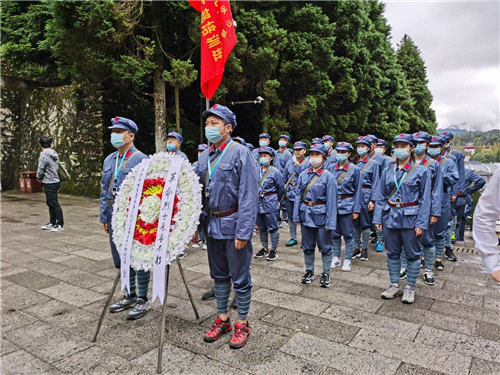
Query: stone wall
{"type": "Point", "coordinates": [71, 115]}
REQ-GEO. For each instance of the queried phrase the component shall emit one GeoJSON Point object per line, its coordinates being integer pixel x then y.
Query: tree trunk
{"type": "Point", "coordinates": [177, 110]}
{"type": "Point", "coordinates": [159, 104]}
{"type": "Point", "coordinates": [159, 88]}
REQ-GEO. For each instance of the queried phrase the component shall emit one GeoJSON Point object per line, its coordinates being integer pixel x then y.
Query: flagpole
{"type": "Point", "coordinates": [207, 106]}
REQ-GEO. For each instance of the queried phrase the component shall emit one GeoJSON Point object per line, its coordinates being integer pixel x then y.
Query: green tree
{"type": "Point", "coordinates": [420, 114]}
{"type": "Point", "coordinates": [180, 76]}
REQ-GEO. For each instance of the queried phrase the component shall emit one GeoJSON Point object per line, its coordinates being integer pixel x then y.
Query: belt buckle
{"type": "Point", "coordinates": [310, 204]}
{"type": "Point", "coordinates": [398, 202]}
{"type": "Point", "coordinates": [207, 194]}
{"type": "Point", "coordinates": [261, 195]}
{"type": "Point", "coordinates": [114, 191]}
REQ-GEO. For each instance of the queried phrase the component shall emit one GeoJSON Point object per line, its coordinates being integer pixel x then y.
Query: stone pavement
{"type": "Point", "coordinates": [54, 286]}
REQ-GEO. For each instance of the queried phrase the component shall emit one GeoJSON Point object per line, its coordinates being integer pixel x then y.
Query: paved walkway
{"type": "Point", "coordinates": [54, 286]}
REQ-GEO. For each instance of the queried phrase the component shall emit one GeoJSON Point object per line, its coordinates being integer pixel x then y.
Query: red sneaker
{"type": "Point", "coordinates": [217, 330]}
{"type": "Point", "coordinates": [240, 338]}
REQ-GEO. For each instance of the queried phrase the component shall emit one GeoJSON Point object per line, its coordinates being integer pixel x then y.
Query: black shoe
{"type": "Point", "coordinates": [234, 305]}
{"type": "Point", "coordinates": [308, 278]}
{"type": "Point", "coordinates": [373, 234]}
{"type": "Point", "coordinates": [439, 265]}
{"type": "Point", "coordinates": [273, 255]}
{"type": "Point", "coordinates": [126, 302]}
{"type": "Point", "coordinates": [448, 253]}
{"type": "Point", "coordinates": [140, 308]}
{"type": "Point", "coordinates": [262, 253]}
{"type": "Point", "coordinates": [429, 277]}
{"type": "Point", "coordinates": [403, 273]}
{"type": "Point", "coordinates": [356, 253]}
{"type": "Point", "coordinates": [364, 255]}
{"type": "Point", "coordinates": [209, 295]}
{"type": "Point", "coordinates": [325, 280]}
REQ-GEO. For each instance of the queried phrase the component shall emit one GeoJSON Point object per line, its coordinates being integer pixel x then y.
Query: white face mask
{"type": "Point", "coordinates": [316, 162]}
{"type": "Point", "coordinates": [378, 151]}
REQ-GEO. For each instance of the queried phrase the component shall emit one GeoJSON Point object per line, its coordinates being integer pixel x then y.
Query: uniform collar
{"type": "Point", "coordinates": [365, 159]}
{"type": "Point", "coordinates": [406, 168]}
{"type": "Point", "coordinates": [319, 172]}
{"type": "Point", "coordinates": [346, 166]}
{"type": "Point", "coordinates": [222, 146]}
{"type": "Point", "coordinates": [439, 159]}
{"type": "Point", "coordinates": [425, 160]}
{"type": "Point", "coordinates": [129, 152]}
{"type": "Point", "coordinates": [330, 151]}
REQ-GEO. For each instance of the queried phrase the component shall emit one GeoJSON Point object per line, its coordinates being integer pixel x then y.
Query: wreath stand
{"type": "Point", "coordinates": [163, 311]}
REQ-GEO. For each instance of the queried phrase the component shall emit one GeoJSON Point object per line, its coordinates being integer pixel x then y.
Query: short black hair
{"type": "Point", "coordinates": [45, 142]}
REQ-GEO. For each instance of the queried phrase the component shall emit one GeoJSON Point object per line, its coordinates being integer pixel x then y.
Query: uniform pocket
{"type": "Point", "coordinates": [228, 174]}
{"type": "Point", "coordinates": [228, 225]}
{"type": "Point", "coordinates": [319, 214]}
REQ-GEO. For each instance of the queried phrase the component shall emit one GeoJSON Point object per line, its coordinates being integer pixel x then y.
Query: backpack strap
{"type": "Point", "coordinates": [342, 175]}
{"type": "Point", "coordinates": [265, 175]}
{"type": "Point", "coordinates": [310, 185]}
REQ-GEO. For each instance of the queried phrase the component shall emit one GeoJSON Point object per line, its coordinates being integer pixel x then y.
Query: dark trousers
{"type": "Point", "coordinates": [55, 210]}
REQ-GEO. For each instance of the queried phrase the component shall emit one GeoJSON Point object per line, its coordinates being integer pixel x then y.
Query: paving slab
{"type": "Point", "coordinates": [257, 359]}
{"type": "Point", "coordinates": [407, 369]}
{"type": "Point", "coordinates": [71, 294]}
{"type": "Point", "coordinates": [95, 361]}
{"type": "Point", "coordinates": [48, 343]}
{"type": "Point", "coordinates": [488, 331]}
{"type": "Point", "coordinates": [477, 313]}
{"type": "Point", "coordinates": [21, 362]}
{"type": "Point", "coordinates": [291, 302]}
{"type": "Point", "coordinates": [482, 367]}
{"type": "Point", "coordinates": [338, 356]}
{"type": "Point", "coordinates": [460, 343]}
{"type": "Point", "coordinates": [13, 319]}
{"type": "Point", "coordinates": [410, 314]}
{"type": "Point", "coordinates": [7, 347]}
{"type": "Point", "coordinates": [32, 280]}
{"type": "Point", "coordinates": [377, 323]}
{"type": "Point", "coordinates": [312, 325]}
{"type": "Point", "coordinates": [423, 355]}
{"type": "Point", "coordinates": [339, 298]}
{"type": "Point", "coordinates": [18, 297]}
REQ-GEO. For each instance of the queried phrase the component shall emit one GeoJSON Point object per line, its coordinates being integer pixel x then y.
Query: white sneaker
{"type": "Point", "coordinates": [204, 246]}
{"type": "Point", "coordinates": [335, 263]}
{"type": "Point", "coordinates": [57, 228]}
{"type": "Point", "coordinates": [196, 244]}
{"type": "Point", "coordinates": [48, 226]}
{"type": "Point", "coordinates": [283, 224]}
{"type": "Point", "coordinates": [346, 266]}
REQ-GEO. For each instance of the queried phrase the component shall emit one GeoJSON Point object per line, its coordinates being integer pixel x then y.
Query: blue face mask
{"type": "Point", "coordinates": [433, 151]}
{"type": "Point", "coordinates": [212, 134]}
{"type": "Point", "coordinates": [264, 161]}
{"type": "Point", "coordinates": [402, 153]}
{"type": "Point", "coordinates": [341, 157]}
{"type": "Point", "coordinates": [362, 151]}
{"type": "Point", "coordinates": [282, 144]}
{"type": "Point", "coordinates": [117, 140]}
{"type": "Point", "coordinates": [262, 143]}
{"type": "Point", "coordinates": [420, 149]}
{"type": "Point", "coordinates": [171, 147]}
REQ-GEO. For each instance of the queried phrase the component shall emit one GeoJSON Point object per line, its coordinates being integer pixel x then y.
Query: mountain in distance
{"type": "Point", "coordinates": [465, 128]}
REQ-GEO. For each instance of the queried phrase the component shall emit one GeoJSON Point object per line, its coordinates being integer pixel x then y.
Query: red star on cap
{"type": "Point", "coordinates": [215, 106]}
{"type": "Point", "coordinates": [342, 144]}
{"type": "Point", "coordinates": [418, 134]}
{"type": "Point", "coordinates": [361, 137]}
{"type": "Point", "coordinates": [116, 119]}
{"type": "Point", "coordinates": [433, 138]}
{"type": "Point", "coordinates": [401, 134]}
{"type": "Point", "coordinates": [380, 140]}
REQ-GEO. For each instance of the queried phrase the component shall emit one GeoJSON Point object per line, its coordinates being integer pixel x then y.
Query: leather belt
{"type": "Point", "coordinates": [461, 196]}
{"type": "Point", "coordinates": [224, 213]}
{"type": "Point", "coordinates": [310, 204]}
{"type": "Point", "coordinates": [262, 195]}
{"type": "Point", "coordinates": [344, 196]}
{"type": "Point", "coordinates": [293, 183]}
{"type": "Point", "coordinates": [366, 187]}
{"type": "Point", "coordinates": [399, 204]}
{"type": "Point", "coordinates": [110, 202]}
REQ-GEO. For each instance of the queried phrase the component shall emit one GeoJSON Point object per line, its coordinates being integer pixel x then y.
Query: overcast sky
{"type": "Point", "coordinates": [459, 42]}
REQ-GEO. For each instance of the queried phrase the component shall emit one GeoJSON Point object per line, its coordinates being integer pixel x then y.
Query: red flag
{"type": "Point", "coordinates": [217, 41]}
